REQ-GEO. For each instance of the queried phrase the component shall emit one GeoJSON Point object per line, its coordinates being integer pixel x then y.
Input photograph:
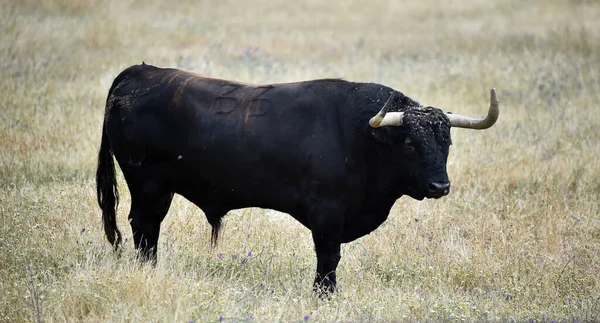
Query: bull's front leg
{"type": "Point", "coordinates": [326, 225]}
{"type": "Point", "coordinates": [328, 257]}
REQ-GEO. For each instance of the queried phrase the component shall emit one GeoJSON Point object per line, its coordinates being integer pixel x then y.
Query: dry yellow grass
{"type": "Point", "coordinates": [517, 239]}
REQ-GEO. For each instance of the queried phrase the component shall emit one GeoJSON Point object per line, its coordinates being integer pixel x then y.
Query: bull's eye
{"type": "Point", "coordinates": [408, 144]}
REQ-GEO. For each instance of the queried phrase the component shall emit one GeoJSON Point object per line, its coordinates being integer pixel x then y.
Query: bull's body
{"type": "Point", "coordinates": [304, 148]}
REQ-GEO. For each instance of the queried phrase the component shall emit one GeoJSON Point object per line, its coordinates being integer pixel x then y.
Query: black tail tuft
{"type": "Point", "coordinates": [106, 189]}
{"type": "Point", "coordinates": [215, 222]}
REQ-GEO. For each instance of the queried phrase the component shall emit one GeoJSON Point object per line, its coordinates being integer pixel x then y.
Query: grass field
{"type": "Point", "coordinates": [518, 238]}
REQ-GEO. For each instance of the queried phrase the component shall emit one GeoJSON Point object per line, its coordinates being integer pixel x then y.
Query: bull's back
{"type": "Point", "coordinates": [236, 137]}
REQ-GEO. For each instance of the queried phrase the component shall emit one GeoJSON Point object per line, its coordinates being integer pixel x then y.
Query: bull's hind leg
{"type": "Point", "coordinates": [150, 203]}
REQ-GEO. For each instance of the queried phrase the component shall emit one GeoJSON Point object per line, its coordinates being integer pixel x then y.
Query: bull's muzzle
{"type": "Point", "coordinates": [438, 189]}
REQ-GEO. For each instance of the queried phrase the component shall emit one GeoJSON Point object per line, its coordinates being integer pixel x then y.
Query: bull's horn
{"type": "Point", "coordinates": [383, 118]}
{"type": "Point", "coordinates": [466, 122]}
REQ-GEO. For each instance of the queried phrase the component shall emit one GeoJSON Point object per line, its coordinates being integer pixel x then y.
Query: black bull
{"type": "Point", "coordinates": [323, 151]}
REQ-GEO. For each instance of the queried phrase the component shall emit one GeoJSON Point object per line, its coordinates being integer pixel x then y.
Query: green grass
{"type": "Point", "coordinates": [517, 239]}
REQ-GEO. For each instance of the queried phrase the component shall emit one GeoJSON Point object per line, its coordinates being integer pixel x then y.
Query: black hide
{"type": "Point", "coordinates": [303, 148]}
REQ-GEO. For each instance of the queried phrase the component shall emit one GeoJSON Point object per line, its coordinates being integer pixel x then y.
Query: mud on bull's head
{"type": "Point", "coordinates": [421, 143]}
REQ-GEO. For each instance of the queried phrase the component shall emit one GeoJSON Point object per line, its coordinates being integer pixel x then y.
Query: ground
{"type": "Point", "coordinates": [517, 239]}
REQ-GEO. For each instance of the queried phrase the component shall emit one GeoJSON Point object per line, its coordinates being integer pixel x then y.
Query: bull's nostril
{"type": "Point", "coordinates": [439, 188]}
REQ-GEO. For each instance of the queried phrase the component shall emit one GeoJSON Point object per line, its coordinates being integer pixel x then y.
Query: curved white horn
{"type": "Point", "coordinates": [384, 118]}
{"type": "Point", "coordinates": [484, 123]}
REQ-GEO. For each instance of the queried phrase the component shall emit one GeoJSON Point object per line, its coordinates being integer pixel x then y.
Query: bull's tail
{"type": "Point", "coordinates": [106, 189]}
{"type": "Point", "coordinates": [106, 180]}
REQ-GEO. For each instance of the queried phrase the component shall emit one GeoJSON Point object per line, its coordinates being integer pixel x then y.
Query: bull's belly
{"type": "Point", "coordinates": [229, 187]}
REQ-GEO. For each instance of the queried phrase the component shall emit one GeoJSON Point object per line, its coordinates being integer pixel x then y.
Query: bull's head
{"type": "Point", "coordinates": [425, 141]}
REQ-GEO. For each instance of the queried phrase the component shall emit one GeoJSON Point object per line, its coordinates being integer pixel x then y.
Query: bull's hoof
{"type": "Point", "coordinates": [324, 287]}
